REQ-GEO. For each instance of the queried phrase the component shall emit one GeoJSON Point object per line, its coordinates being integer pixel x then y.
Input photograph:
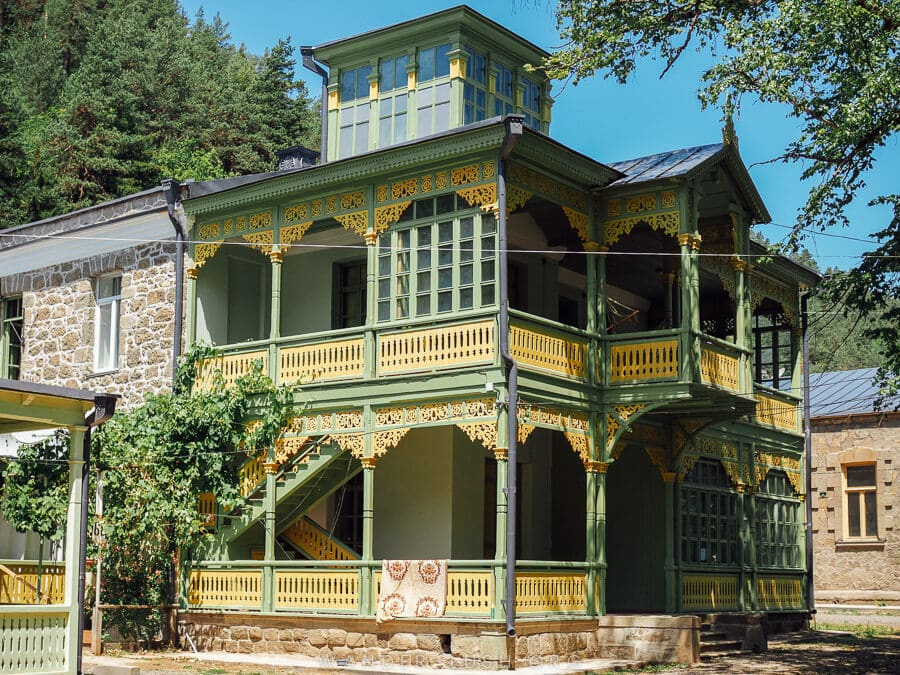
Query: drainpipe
{"type": "Point", "coordinates": [309, 62]}
{"type": "Point", "coordinates": [171, 189]}
{"type": "Point", "coordinates": [807, 440]}
{"type": "Point", "coordinates": [513, 133]}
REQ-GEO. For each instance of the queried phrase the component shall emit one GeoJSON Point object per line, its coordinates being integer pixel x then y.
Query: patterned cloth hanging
{"type": "Point", "coordinates": [412, 588]}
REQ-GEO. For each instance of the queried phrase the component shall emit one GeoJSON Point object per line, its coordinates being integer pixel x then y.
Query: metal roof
{"type": "Point", "coordinates": [845, 392]}
{"type": "Point", "coordinates": [664, 164]}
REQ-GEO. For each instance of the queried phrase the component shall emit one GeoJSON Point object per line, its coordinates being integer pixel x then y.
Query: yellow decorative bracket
{"type": "Point", "coordinates": [484, 196]}
{"type": "Point", "coordinates": [357, 221]}
{"type": "Point", "coordinates": [261, 241]}
{"type": "Point", "coordinates": [481, 432]}
{"type": "Point", "coordinates": [355, 443]}
{"type": "Point", "coordinates": [668, 223]}
{"type": "Point", "coordinates": [382, 441]}
{"type": "Point", "coordinates": [385, 216]}
{"type": "Point", "coordinates": [579, 222]}
{"type": "Point", "coordinates": [516, 198]}
{"type": "Point", "coordinates": [202, 253]}
{"type": "Point", "coordinates": [293, 233]}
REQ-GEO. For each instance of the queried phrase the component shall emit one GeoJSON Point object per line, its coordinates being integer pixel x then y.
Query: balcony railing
{"type": "Point", "coordinates": [719, 364]}
{"type": "Point", "coordinates": [777, 408]}
{"type": "Point", "coordinates": [336, 587]}
{"type": "Point", "coordinates": [642, 358]}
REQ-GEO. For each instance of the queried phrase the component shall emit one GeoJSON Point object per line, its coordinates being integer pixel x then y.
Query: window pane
{"type": "Point", "coordinates": [346, 142]}
{"type": "Point", "coordinates": [445, 204]}
{"type": "Point", "coordinates": [386, 75]}
{"type": "Point", "coordinates": [362, 81]}
{"type": "Point", "coordinates": [384, 310]}
{"type": "Point", "coordinates": [445, 301]}
{"type": "Point", "coordinates": [487, 294]}
{"type": "Point", "coordinates": [853, 514]}
{"type": "Point", "coordinates": [861, 476]}
{"type": "Point", "coordinates": [445, 278]}
{"type": "Point", "coordinates": [384, 132]}
{"type": "Point", "coordinates": [400, 126]}
{"type": "Point", "coordinates": [442, 61]}
{"type": "Point", "coordinates": [108, 287]}
{"type": "Point", "coordinates": [426, 65]}
{"type": "Point", "coordinates": [423, 305]}
{"type": "Point", "coordinates": [348, 85]}
{"type": "Point", "coordinates": [871, 515]}
{"type": "Point", "coordinates": [465, 274]}
{"type": "Point", "coordinates": [362, 137]}
{"type": "Point", "coordinates": [423, 282]}
{"type": "Point", "coordinates": [402, 308]}
{"type": "Point", "coordinates": [487, 270]}
{"type": "Point", "coordinates": [400, 64]}
{"type": "Point", "coordinates": [424, 122]}
{"type": "Point", "coordinates": [465, 298]}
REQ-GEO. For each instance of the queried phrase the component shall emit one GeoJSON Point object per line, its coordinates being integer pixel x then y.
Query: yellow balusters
{"type": "Point", "coordinates": [329, 590]}
{"type": "Point", "coordinates": [547, 351]}
{"type": "Point", "coordinates": [541, 592]}
{"type": "Point", "coordinates": [442, 347]}
{"type": "Point", "coordinates": [231, 366]}
{"type": "Point", "coordinates": [323, 361]}
{"type": "Point", "coordinates": [225, 588]}
{"type": "Point", "coordinates": [718, 369]}
{"type": "Point", "coordinates": [315, 543]}
{"type": "Point", "coordinates": [252, 474]}
{"type": "Point", "coordinates": [643, 361]}
{"type": "Point", "coordinates": [19, 583]}
{"type": "Point", "coordinates": [777, 593]}
{"type": "Point", "coordinates": [206, 507]}
{"type": "Point", "coordinates": [469, 593]}
{"type": "Point", "coordinates": [709, 591]}
{"type": "Point", "coordinates": [777, 412]}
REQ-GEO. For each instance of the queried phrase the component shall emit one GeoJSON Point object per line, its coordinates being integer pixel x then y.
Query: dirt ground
{"type": "Point", "coordinates": [847, 641]}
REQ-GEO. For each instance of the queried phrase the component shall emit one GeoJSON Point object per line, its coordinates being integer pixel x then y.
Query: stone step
{"type": "Point", "coordinates": [719, 646]}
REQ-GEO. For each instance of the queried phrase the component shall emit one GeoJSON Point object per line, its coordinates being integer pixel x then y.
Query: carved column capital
{"type": "Point", "coordinates": [271, 467]}
{"type": "Point", "coordinates": [501, 454]}
{"type": "Point", "coordinates": [592, 466]}
{"type": "Point", "coordinates": [368, 462]}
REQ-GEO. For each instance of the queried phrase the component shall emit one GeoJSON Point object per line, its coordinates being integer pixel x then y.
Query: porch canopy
{"type": "Point", "coordinates": [45, 638]}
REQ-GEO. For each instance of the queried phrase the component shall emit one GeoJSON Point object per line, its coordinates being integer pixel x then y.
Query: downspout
{"type": "Point", "coordinates": [309, 62]}
{"type": "Point", "coordinates": [104, 407]}
{"type": "Point", "coordinates": [513, 133]}
{"type": "Point", "coordinates": [171, 190]}
{"type": "Point", "coordinates": [807, 440]}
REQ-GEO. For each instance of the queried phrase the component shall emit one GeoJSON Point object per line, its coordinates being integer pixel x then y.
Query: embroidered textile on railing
{"type": "Point", "coordinates": [412, 588]}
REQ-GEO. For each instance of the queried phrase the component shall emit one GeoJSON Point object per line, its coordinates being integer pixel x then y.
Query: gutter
{"type": "Point", "coordinates": [309, 62]}
{"type": "Point", "coordinates": [514, 125]}
{"type": "Point", "coordinates": [172, 192]}
{"type": "Point", "coordinates": [807, 441]}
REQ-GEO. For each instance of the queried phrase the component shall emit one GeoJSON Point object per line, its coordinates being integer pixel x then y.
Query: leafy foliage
{"type": "Point", "coordinates": [35, 494]}
{"type": "Point", "coordinates": [103, 98]}
{"type": "Point", "coordinates": [835, 65]}
{"type": "Point", "coordinates": [157, 458]}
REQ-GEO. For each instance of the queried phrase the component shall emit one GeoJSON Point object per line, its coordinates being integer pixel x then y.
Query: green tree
{"type": "Point", "coordinates": [835, 64]}
{"type": "Point", "coordinates": [35, 487]}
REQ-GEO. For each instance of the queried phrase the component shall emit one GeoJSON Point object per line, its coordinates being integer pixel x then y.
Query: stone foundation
{"type": "Point", "coordinates": [448, 644]}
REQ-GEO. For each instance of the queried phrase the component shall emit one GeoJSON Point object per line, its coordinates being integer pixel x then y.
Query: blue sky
{"type": "Point", "coordinates": [599, 118]}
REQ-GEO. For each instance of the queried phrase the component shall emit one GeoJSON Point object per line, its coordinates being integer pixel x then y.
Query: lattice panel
{"type": "Point", "coordinates": [321, 362]}
{"type": "Point", "coordinates": [546, 351]}
{"type": "Point", "coordinates": [644, 361]}
{"type": "Point", "coordinates": [331, 590]}
{"type": "Point", "coordinates": [779, 593]}
{"type": "Point", "coordinates": [18, 584]}
{"type": "Point", "coordinates": [443, 347]}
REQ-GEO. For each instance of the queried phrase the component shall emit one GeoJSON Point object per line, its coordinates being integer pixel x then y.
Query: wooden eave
{"type": "Point", "coordinates": [439, 26]}
{"type": "Point", "coordinates": [27, 406]}
{"type": "Point", "coordinates": [547, 154]}
{"type": "Point", "coordinates": [782, 268]}
{"type": "Point", "coordinates": [730, 158]}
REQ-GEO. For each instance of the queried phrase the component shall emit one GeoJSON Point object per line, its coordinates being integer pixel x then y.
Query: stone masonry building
{"type": "Point", "coordinates": [855, 491]}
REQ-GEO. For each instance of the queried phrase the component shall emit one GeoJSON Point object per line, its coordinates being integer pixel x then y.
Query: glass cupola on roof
{"type": "Point", "coordinates": [423, 77]}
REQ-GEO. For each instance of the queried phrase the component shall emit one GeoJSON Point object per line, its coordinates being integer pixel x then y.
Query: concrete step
{"type": "Point", "coordinates": [719, 646]}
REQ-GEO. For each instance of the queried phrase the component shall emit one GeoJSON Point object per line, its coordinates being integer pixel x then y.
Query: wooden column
{"type": "Point", "coordinates": [277, 258]}
{"type": "Point", "coordinates": [72, 547]}
{"type": "Point", "coordinates": [367, 588]}
{"type": "Point", "coordinates": [271, 467]}
{"type": "Point", "coordinates": [669, 526]}
{"type": "Point", "coordinates": [369, 355]}
{"type": "Point", "coordinates": [191, 329]}
{"type": "Point", "coordinates": [501, 455]}
{"type": "Point", "coordinates": [600, 529]}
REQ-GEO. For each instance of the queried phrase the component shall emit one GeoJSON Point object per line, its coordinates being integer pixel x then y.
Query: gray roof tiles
{"type": "Point", "coordinates": [845, 392]}
{"type": "Point", "coordinates": [664, 164]}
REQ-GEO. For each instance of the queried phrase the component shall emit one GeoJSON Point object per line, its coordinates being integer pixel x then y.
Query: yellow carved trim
{"type": "Point", "coordinates": [579, 222]}
{"type": "Point", "coordinates": [481, 432]}
{"type": "Point", "coordinates": [523, 432]}
{"type": "Point", "coordinates": [296, 212]}
{"type": "Point", "coordinates": [668, 223]}
{"type": "Point", "coordinates": [501, 454]}
{"type": "Point", "coordinates": [193, 273]}
{"type": "Point", "coordinates": [427, 182]}
{"type": "Point", "coordinates": [373, 91]}
{"type": "Point", "coordinates": [668, 200]}
{"type": "Point", "coordinates": [592, 466]}
{"type": "Point", "coordinates": [516, 198]}
{"type": "Point", "coordinates": [580, 445]}
{"type": "Point", "coordinates": [404, 188]}
{"type": "Point", "coordinates": [382, 441]}
{"type": "Point", "coordinates": [626, 411]}
{"type": "Point", "coordinates": [293, 233]}
{"type": "Point", "coordinates": [208, 231]}
{"type": "Point", "coordinates": [261, 241]}
{"type": "Point", "coordinates": [381, 193]}
{"type": "Point", "coordinates": [411, 80]}
{"type": "Point", "coordinates": [614, 208]}
{"type": "Point", "coordinates": [276, 256]}
{"type": "Point", "coordinates": [334, 100]}
{"type": "Point", "coordinates": [355, 443]}
{"type": "Point", "coordinates": [260, 220]}
{"type": "Point", "coordinates": [386, 215]}
{"type": "Point", "coordinates": [368, 462]}
{"type": "Point", "coordinates": [203, 252]}
{"type": "Point", "coordinates": [353, 200]}
{"type": "Point", "coordinates": [641, 203]}
{"type": "Point", "coordinates": [458, 68]}
{"type": "Point", "coordinates": [370, 238]}
{"type": "Point", "coordinates": [356, 222]}
{"type": "Point", "coordinates": [488, 169]}
{"type": "Point", "coordinates": [463, 175]}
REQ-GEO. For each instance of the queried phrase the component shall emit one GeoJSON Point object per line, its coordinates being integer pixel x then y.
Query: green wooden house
{"type": "Point", "coordinates": [479, 317]}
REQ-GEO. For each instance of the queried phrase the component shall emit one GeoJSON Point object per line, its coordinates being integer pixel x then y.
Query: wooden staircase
{"type": "Point", "coordinates": [714, 643]}
{"type": "Point", "coordinates": [314, 542]}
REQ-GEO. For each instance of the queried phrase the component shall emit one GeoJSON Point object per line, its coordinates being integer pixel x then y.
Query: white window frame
{"type": "Point", "coordinates": [114, 302]}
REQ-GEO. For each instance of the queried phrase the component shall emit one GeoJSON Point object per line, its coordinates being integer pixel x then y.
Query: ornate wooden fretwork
{"type": "Point", "coordinates": [668, 200]}
{"type": "Point", "coordinates": [553, 418]}
{"type": "Point", "coordinates": [690, 240]}
{"type": "Point", "coordinates": [578, 222]}
{"type": "Point", "coordinates": [288, 447]}
{"type": "Point", "coordinates": [626, 411]}
{"type": "Point", "coordinates": [488, 170]}
{"type": "Point", "coordinates": [430, 413]}
{"type": "Point", "coordinates": [523, 431]}
{"type": "Point", "coordinates": [386, 215]}
{"type": "Point", "coordinates": [580, 444]}
{"type": "Point", "coordinates": [641, 434]}
{"type": "Point", "coordinates": [293, 233]}
{"type": "Point", "coordinates": [355, 443]}
{"type": "Point", "coordinates": [501, 454]}
{"type": "Point", "coordinates": [261, 241]}
{"type": "Point", "coordinates": [353, 200]}
{"type": "Point", "coordinates": [427, 183]}
{"type": "Point", "coordinates": [727, 453]}
{"type": "Point", "coordinates": [381, 193]}
{"type": "Point", "coordinates": [208, 231]}
{"type": "Point", "coordinates": [368, 462]}
{"type": "Point", "coordinates": [463, 175]}
{"type": "Point", "coordinates": [762, 287]}
{"type": "Point", "coordinates": [355, 222]}
{"type": "Point", "coordinates": [440, 180]}
{"type": "Point", "coordinates": [766, 461]}
{"type": "Point", "coordinates": [382, 441]}
{"type": "Point", "coordinates": [592, 466]}
{"type": "Point", "coordinates": [614, 208]}
{"type": "Point", "coordinates": [481, 432]}
{"type": "Point", "coordinates": [668, 223]}
{"type": "Point", "coordinates": [484, 195]}
{"type": "Point", "coordinates": [261, 220]}
{"type": "Point", "coordinates": [203, 252]}
{"type": "Point", "coordinates": [552, 190]}
{"type": "Point", "coordinates": [516, 198]}
{"type": "Point", "coordinates": [315, 424]}
{"type": "Point", "coordinates": [612, 426]}
{"type": "Point", "coordinates": [296, 212]}
{"type": "Point", "coordinates": [641, 203]}
{"type": "Point", "coordinates": [404, 188]}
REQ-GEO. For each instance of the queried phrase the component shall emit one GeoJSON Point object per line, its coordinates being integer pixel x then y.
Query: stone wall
{"type": "Point", "coordinates": [59, 322]}
{"type": "Point", "coordinates": [855, 571]}
{"type": "Point", "coordinates": [447, 644]}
